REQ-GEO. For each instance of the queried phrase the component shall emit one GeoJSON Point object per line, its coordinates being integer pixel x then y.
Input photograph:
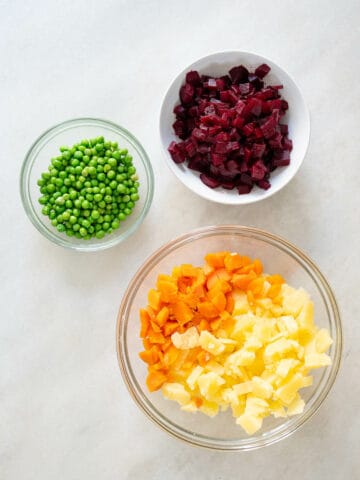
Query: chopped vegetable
{"type": "Point", "coordinates": [89, 188]}
{"type": "Point", "coordinates": [228, 335]}
{"type": "Point", "coordinates": [230, 129]}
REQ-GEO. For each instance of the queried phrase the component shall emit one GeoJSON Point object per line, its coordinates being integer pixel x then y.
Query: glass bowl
{"type": "Point", "coordinates": [297, 118]}
{"type": "Point", "coordinates": [68, 133]}
{"type": "Point", "coordinates": [278, 256]}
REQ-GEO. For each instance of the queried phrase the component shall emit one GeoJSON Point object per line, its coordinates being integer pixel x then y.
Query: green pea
{"type": "Point", "coordinates": [100, 234]}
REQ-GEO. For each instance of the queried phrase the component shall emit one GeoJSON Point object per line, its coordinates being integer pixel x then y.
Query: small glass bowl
{"type": "Point", "coordinates": [278, 256]}
{"type": "Point", "coordinates": [68, 133]}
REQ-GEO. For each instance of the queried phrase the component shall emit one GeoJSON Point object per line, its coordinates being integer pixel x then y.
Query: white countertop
{"type": "Point", "coordinates": [65, 413]}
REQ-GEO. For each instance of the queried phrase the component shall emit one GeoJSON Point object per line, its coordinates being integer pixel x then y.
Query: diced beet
{"type": "Point", "coordinates": [238, 122]}
{"type": "Point", "coordinates": [230, 128]}
{"type": "Point", "coordinates": [257, 150]}
{"type": "Point", "coordinates": [243, 189]}
{"type": "Point", "coordinates": [176, 153]}
{"type": "Point", "coordinates": [180, 112]}
{"type": "Point", "coordinates": [217, 159]}
{"type": "Point", "coordinates": [228, 185]}
{"type": "Point", "coordinates": [262, 70]}
{"type": "Point", "coordinates": [209, 181]}
{"type": "Point", "coordinates": [287, 144]}
{"type": "Point", "coordinates": [245, 88]}
{"type": "Point", "coordinates": [258, 170]}
{"type": "Point", "coordinates": [264, 184]}
{"type": "Point", "coordinates": [187, 93]}
{"type": "Point", "coordinates": [193, 78]}
{"type": "Point", "coordinates": [239, 74]}
{"type": "Point", "coordinates": [245, 178]}
{"type": "Point", "coordinates": [180, 129]}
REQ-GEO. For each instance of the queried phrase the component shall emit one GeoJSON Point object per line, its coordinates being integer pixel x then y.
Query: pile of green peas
{"type": "Point", "coordinates": [89, 188]}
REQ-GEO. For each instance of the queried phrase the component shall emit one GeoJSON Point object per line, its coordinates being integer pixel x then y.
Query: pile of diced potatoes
{"type": "Point", "coordinates": [258, 368]}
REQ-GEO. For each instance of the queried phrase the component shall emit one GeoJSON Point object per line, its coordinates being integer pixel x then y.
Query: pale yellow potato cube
{"type": "Point", "coordinates": [250, 423]}
{"type": "Point", "coordinates": [177, 392]}
{"type": "Point", "coordinates": [317, 360]}
{"type": "Point", "coordinates": [285, 366]}
{"type": "Point", "coordinates": [240, 358]}
{"type": "Point", "coordinates": [186, 340]}
{"type": "Point", "coordinates": [243, 388]}
{"type": "Point", "coordinates": [287, 392]}
{"type": "Point", "coordinates": [253, 343]}
{"type": "Point", "coordinates": [209, 384]}
{"type": "Point", "coordinates": [296, 406]}
{"type": "Point", "coordinates": [293, 299]}
{"type": "Point", "coordinates": [209, 408]}
{"type": "Point", "coordinates": [261, 388]}
{"type": "Point", "coordinates": [194, 375]}
{"type": "Point", "coordinates": [279, 348]}
{"type": "Point", "coordinates": [189, 407]}
{"type": "Point", "coordinates": [210, 343]}
{"type": "Point", "coordinates": [277, 409]}
{"type": "Point", "coordinates": [213, 366]}
{"type": "Point", "coordinates": [256, 405]}
{"type": "Point", "coordinates": [238, 408]}
{"type": "Point", "coordinates": [288, 324]}
{"type": "Point", "coordinates": [322, 340]}
{"type": "Point", "coordinates": [243, 323]}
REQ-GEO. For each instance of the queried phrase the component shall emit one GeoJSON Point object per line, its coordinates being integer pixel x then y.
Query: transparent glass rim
{"type": "Point", "coordinates": [30, 159]}
{"type": "Point", "coordinates": [123, 355]}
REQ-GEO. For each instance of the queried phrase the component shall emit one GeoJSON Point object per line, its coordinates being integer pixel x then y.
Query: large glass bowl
{"type": "Point", "coordinates": [278, 256]}
{"type": "Point", "coordinates": [68, 133]}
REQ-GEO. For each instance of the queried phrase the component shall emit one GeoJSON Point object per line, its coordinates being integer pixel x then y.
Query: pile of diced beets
{"type": "Point", "coordinates": [230, 129]}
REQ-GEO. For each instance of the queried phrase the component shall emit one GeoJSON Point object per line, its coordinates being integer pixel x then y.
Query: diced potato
{"type": "Point", "coordinates": [238, 408]}
{"type": "Point", "coordinates": [210, 343]}
{"type": "Point", "coordinates": [261, 388]}
{"type": "Point", "coordinates": [287, 392]}
{"type": "Point", "coordinates": [243, 388]}
{"type": "Point", "coordinates": [209, 384]}
{"type": "Point", "coordinates": [317, 360]}
{"type": "Point", "coordinates": [296, 406]}
{"type": "Point", "coordinates": [250, 423]}
{"type": "Point", "coordinates": [209, 408]}
{"type": "Point", "coordinates": [189, 407]}
{"type": "Point", "coordinates": [253, 343]}
{"type": "Point", "coordinates": [194, 375]}
{"type": "Point", "coordinates": [322, 340]}
{"type": "Point", "coordinates": [241, 304]}
{"type": "Point", "coordinates": [285, 366]}
{"type": "Point", "coordinates": [256, 405]}
{"type": "Point", "coordinates": [186, 340]}
{"type": "Point", "coordinates": [288, 324]}
{"type": "Point", "coordinates": [243, 323]}
{"type": "Point", "coordinates": [215, 367]}
{"type": "Point", "coordinates": [278, 349]}
{"type": "Point", "coordinates": [237, 359]}
{"type": "Point", "coordinates": [177, 392]}
{"type": "Point", "coordinates": [293, 299]}
{"type": "Point", "coordinates": [277, 409]}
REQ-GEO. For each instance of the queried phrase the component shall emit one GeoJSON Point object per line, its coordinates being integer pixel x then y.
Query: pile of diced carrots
{"type": "Point", "coordinates": [200, 297]}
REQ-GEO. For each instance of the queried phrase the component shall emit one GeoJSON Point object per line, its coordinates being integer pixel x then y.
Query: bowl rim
{"type": "Point", "coordinates": [241, 199]}
{"type": "Point", "coordinates": [31, 156]}
{"type": "Point", "coordinates": [179, 432]}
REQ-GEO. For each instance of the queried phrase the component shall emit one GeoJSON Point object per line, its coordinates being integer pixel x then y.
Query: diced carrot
{"type": "Point", "coordinates": [242, 281]}
{"type": "Point", "coordinates": [233, 261]}
{"type": "Point", "coordinates": [198, 401]}
{"type": "Point", "coordinates": [213, 278]}
{"type": "Point", "coordinates": [199, 291]}
{"type": "Point", "coordinates": [169, 328]}
{"type": "Point", "coordinates": [167, 290]}
{"type": "Point", "coordinates": [188, 270]}
{"type": "Point", "coordinates": [216, 260]}
{"type": "Point", "coordinates": [250, 297]}
{"type": "Point", "coordinates": [182, 312]}
{"type": "Point", "coordinates": [229, 303]}
{"type": "Point", "coordinates": [155, 327]}
{"type": "Point", "coordinates": [165, 346]}
{"type": "Point", "coordinates": [145, 322]}
{"type": "Point", "coordinates": [146, 343]}
{"type": "Point", "coordinates": [171, 355]}
{"type": "Point", "coordinates": [227, 321]}
{"type": "Point", "coordinates": [162, 316]}
{"type": "Point", "coordinates": [156, 337]}
{"type": "Point", "coordinates": [274, 290]}
{"type": "Point", "coordinates": [258, 267]}
{"type": "Point", "coordinates": [275, 279]}
{"type": "Point", "coordinates": [176, 272]}
{"type": "Point", "coordinates": [207, 310]}
{"type": "Point", "coordinates": [203, 357]}
{"type": "Point", "coordinates": [219, 301]}
{"type": "Point", "coordinates": [207, 268]}
{"type": "Point", "coordinates": [256, 285]}
{"type": "Point", "coordinates": [154, 299]}
{"type": "Point", "coordinates": [204, 325]}
{"type": "Point", "coordinates": [155, 380]}
{"type": "Point", "coordinates": [150, 356]}
{"type": "Point", "coordinates": [215, 324]}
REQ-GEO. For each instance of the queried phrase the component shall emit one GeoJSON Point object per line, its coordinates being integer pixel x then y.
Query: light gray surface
{"type": "Point", "coordinates": [64, 410]}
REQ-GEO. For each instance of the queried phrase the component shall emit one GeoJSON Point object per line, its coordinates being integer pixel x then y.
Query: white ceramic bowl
{"type": "Point", "coordinates": [297, 119]}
